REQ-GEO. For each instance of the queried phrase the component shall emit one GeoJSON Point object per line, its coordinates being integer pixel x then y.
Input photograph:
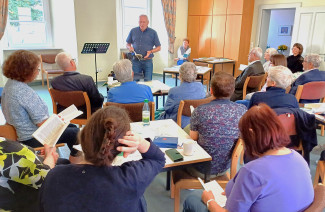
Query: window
{"type": "Point", "coordinates": [28, 24]}
{"type": "Point", "coordinates": [130, 14]}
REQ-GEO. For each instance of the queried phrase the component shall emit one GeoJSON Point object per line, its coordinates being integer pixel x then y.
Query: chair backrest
{"type": "Point", "coordinates": [311, 90]}
{"type": "Point", "coordinates": [235, 156]}
{"type": "Point", "coordinates": [48, 58]}
{"type": "Point", "coordinates": [134, 109]}
{"type": "Point", "coordinates": [318, 204]}
{"type": "Point", "coordinates": [67, 98]}
{"type": "Point", "coordinates": [184, 107]}
{"type": "Point", "coordinates": [288, 122]}
{"type": "Point", "coordinates": [8, 131]}
{"type": "Point", "coordinates": [253, 82]}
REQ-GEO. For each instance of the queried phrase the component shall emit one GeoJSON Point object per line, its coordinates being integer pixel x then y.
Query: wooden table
{"type": "Point", "coordinates": [215, 61]}
{"type": "Point", "coordinates": [201, 71]}
{"type": "Point", "coordinates": [169, 128]}
{"type": "Point", "coordinates": [157, 88]}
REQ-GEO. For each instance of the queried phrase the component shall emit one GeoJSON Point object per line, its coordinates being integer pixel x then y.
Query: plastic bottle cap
{"type": "Point", "coordinates": [146, 101]}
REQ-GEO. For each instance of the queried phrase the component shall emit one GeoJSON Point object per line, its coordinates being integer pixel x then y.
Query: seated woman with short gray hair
{"type": "Point", "coordinates": [278, 79]}
{"type": "Point", "coordinates": [189, 89]}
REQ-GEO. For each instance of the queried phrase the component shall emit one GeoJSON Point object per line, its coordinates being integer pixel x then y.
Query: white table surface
{"type": "Point", "coordinates": [169, 128]}
{"type": "Point", "coordinates": [200, 69]}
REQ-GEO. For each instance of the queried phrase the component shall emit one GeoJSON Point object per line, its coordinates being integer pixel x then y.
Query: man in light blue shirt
{"type": "Point", "coordinates": [129, 91]}
{"type": "Point", "coordinates": [141, 40]}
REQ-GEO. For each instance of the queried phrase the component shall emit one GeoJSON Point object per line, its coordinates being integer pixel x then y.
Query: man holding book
{"type": "Point", "coordinates": [141, 41]}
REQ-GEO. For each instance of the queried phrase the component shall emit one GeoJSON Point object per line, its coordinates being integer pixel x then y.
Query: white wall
{"type": "Point", "coordinates": [63, 26]}
{"type": "Point", "coordinates": [280, 18]}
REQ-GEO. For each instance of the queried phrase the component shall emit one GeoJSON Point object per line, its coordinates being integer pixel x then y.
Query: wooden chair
{"type": "Point", "coordinates": [50, 60]}
{"type": "Point", "coordinates": [182, 180]}
{"type": "Point", "coordinates": [8, 131]}
{"type": "Point", "coordinates": [312, 90]}
{"type": "Point", "coordinates": [253, 82]}
{"type": "Point", "coordinates": [320, 172]}
{"type": "Point", "coordinates": [134, 109]}
{"type": "Point", "coordinates": [288, 122]}
{"type": "Point", "coordinates": [67, 98]}
{"type": "Point", "coordinates": [184, 107]}
{"type": "Point", "coordinates": [318, 204]}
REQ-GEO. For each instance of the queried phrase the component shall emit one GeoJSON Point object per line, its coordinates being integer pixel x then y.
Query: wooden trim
{"type": "Point", "coordinates": [88, 104]}
{"type": "Point", "coordinates": [245, 87]}
{"type": "Point", "coordinates": [179, 113]}
{"type": "Point", "coordinates": [299, 92]}
{"type": "Point", "coordinates": [320, 172]}
{"type": "Point", "coordinates": [55, 109]}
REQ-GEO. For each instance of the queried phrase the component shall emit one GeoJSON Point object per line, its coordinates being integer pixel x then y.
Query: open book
{"type": "Point", "coordinates": [51, 130]}
{"type": "Point", "coordinates": [216, 190]}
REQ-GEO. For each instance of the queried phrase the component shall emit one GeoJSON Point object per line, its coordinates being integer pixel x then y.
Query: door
{"type": "Point", "coordinates": [309, 30]}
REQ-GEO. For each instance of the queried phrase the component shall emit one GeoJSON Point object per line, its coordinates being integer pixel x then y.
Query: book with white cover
{"type": "Point", "coordinates": [216, 190]}
{"type": "Point", "coordinates": [51, 130]}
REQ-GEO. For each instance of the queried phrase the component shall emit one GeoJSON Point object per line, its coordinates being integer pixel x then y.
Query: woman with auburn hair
{"type": "Point", "coordinates": [279, 180]}
{"type": "Point", "coordinates": [22, 107]}
{"type": "Point", "coordinates": [95, 184]}
{"type": "Point", "coordinates": [278, 60]}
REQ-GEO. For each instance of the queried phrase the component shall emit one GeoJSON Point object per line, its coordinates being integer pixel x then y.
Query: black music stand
{"type": "Point", "coordinates": [95, 48]}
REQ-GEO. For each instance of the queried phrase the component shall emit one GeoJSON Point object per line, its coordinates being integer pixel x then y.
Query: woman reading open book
{"type": "Point", "coordinates": [22, 107]}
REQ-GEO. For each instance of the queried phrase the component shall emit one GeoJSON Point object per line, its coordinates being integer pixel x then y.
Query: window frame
{"type": "Point", "coordinates": [123, 40]}
{"type": "Point", "coordinates": [48, 31]}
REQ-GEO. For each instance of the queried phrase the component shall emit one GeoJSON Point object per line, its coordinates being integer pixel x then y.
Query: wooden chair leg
{"type": "Point", "coordinates": [322, 129]}
{"type": "Point", "coordinates": [42, 74]}
{"type": "Point", "coordinates": [316, 175]}
{"type": "Point", "coordinates": [172, 186]}
{"type": "Point", "coordinates": [177, 195]}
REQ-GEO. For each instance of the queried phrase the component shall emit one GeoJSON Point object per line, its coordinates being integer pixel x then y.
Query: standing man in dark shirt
{"type": "Point", "coordinates": [72, 80]}
{"type": "Point", "coordinates": [142, 40]}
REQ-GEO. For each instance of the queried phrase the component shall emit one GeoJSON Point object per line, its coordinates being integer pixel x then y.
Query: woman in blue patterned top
{"type": "Point", "coordinates": [22, 107]}
{"type": "Point", "coordinates": [215, 125]}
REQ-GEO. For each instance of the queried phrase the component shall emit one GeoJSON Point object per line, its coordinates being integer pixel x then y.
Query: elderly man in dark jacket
{"type": "Point", "coordinates": [254, 68]}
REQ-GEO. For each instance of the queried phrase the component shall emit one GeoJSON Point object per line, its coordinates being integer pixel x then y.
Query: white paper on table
{"type": "Point", "coordinates": [242, 67]}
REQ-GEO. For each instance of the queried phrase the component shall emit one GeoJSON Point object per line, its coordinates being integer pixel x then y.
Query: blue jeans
{"type": "Point", "coordinates": [142, 68]}
{"type": "Point", "coordinates": [193, 203]}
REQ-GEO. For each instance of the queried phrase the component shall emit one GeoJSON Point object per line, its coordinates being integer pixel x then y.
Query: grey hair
{"type": "Point", "coordinates": [313, 59]}
{"type": "Point", "coordinates": [188, 72]}
{"type": "Point", "coordinates": [282, 76]}
{"type": "Point", "coordinates": [123, 70]}
{"type": "Point", "coordinates": [272, 51]}
{"type": "Point", "coordinates": [257, 51]}
{"type": "Point", "coordinates": [63, 60]}
{"type": "Point", "coordinates": [143, 15]}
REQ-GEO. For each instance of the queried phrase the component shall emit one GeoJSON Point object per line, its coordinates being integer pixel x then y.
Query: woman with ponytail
{"type": "Point", "coordinates": [96, 185]}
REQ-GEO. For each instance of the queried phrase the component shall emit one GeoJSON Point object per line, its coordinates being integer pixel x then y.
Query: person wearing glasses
{"type": "Point", "coordinates": [72, 80]}
{"type": "Point", "coordinates": [23, 108]}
